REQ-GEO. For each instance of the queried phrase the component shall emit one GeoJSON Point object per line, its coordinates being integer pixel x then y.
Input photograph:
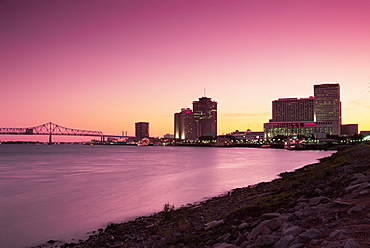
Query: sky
{"type": "Point", "coordinates": [104, 65]}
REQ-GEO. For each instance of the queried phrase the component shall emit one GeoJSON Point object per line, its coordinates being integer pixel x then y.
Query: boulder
{"type": "Point", "coordinates": [243, 225]}
{"type": "Point", "coordinates": [310, 234]}
{"type": "Point", "coordinates": [257, 231]}
{"type": "Point", "coordinates": [224, 245]}
{"type": "Point", "coordinates": [294, 231]}
{"type": "Point", "coordinates": [284, 241]}
{"type": "Point", "coordinates": [266, 240]}
{"type": "Point", "coordinates": [213, 224]}
{"type": "Point", "coordinates": [360, 186]}
{"type": "Point", "coordinates": [356, 209]}
{"type": "Point", "coordinates": [350, 243]}
{"type": "Point", "coordinates": [268, 216]}
{"type": "Point", "coordinates": [265, 228]}
{"type": "Point", "coordinates": [319, 200]}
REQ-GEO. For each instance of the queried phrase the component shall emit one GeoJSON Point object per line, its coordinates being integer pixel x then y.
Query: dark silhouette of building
{"type": "Point", "coordinates": [205, 117]}
{"type": "Point", "coordinates": [141, 130]}
{"type": "Point", "coordinates": [349, 129]}
{"type": "Point", "coordinates": [184, 124]}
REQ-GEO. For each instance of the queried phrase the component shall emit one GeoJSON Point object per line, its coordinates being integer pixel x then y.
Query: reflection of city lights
{"type": "Point", "coordinates": [367, 138]}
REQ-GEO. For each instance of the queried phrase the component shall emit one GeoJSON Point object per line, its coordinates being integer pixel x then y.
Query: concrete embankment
{"type": "Point", "coordinates": [320, 205]}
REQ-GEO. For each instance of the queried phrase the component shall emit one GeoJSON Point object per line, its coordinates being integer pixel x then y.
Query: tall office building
{"type": "Point", "coordinates": [328, 106]}
{"type": "Point", "coordinates": [184, 124]}
{"type": "Point", "coordinates": [293, 109]}
{"type": "Point", "coordinates": [205, 117]}
{"type": "Point", "coordinates": [141, 130]}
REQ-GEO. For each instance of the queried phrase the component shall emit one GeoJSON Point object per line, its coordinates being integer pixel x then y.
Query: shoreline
{"type": "Point", "coordinates": [312, 207]}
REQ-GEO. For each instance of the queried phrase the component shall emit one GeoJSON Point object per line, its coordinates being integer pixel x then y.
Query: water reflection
{"type": "Point", "coordinates": [60, 192]}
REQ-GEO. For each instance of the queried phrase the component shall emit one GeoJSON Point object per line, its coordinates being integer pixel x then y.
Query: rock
{"type": "Point", "coordinates": [310, 234]}
{"type": "Point", "coordinates": [268, 216]}
{"type": "Point", "coordinates": [115, 245]}
{"type": "Point", "coordinates": [224, 237]}
{"type": "Point", "coordinates": [337, 233]}
{"type": "Point", "coordinates": [301, 206]}
{"type": "Point", "coordinates": [366, 221]}
{"type": "Point", "coordinates": [284, 241]}
{"type": "Point", "coordinates": [360, 186]}
{"type": "Point", "coordinates": [338, 202]}
{"type": "Point", "coordinates": [213, 224]}
{"type": "Point", "coordinates": [259, 230]}
{"type": "Point", "coordinates": [319, 200]}
{"type": "Point", "coordinates": [350, 243]}
{"type": "Point", "coordinates": [356, 209]}
{"type": "Point", "coordinates": [330, 244]}
{"type": "Point", "coordinates": [246, 244]}
{"type": "Point", "coordinates": [224, 245]}
{"type": "Point", "coordinates": [285, 226]}
{"type": "Point", "coordinates": [364, 192]}
{"type": "Point", "coordinates": [272, 224]}
{"type": "Point", "coordinates": [266, 240]}
{"type": "Point", "coordinates": [242, 237]}
{"type": "Point", "coordinates": [243, 225]}
{"type": "Point", "coordinates": [298, 245]}
{"type": "Point", "coordinates": [294, 231]}
{"type": "Point", "coordinates": [360, 178]}
{"type": "Point", "coordinates": [318, 191]}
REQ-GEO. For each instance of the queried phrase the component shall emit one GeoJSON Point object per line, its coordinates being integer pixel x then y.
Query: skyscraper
{"type": "Point", "coordinates": [205, 117]}
{"type": "Point", "coordinates": [328, 106]}
{"type": "Point", "coordinates": [184, 124]}
{"type": "Point", "coordinates": [141, 130]}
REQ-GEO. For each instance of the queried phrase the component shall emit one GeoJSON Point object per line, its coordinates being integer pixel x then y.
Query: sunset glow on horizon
{"type": "Point", "coordinates": [104, 65]}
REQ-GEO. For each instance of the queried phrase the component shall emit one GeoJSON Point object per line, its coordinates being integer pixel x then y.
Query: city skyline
{"type": "Point", "coordinates": [315, 117]}
{"type": "Point", "coordinates": [105, 65]}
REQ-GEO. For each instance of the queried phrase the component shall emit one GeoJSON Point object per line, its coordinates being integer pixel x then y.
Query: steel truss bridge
{"type": "Point", "coordinates": [51, 129]}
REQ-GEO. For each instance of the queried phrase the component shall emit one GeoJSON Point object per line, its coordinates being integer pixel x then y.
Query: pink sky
{"type": "Point", "coordinates": [104, 65]}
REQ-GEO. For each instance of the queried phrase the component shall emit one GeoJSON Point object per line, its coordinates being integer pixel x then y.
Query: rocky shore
{"type": "Point", "coordinates": [326, 204]}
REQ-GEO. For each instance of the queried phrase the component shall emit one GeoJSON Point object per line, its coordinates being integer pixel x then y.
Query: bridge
{"type": "Point", "coordinates": [50, 129]}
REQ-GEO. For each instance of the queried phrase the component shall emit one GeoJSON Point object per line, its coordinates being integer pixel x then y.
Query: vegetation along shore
{"type": "Point", "coordinates": [326, 204]}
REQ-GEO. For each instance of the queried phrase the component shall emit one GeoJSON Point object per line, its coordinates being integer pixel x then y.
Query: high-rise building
{"type": "Point", "coordinates": [328, 106]}
{"type": "Point", "coordinates": [205, 117]}
{"type": "Point", "coordinates": [141, 130]}
{"type": "Point", "coordinates": [293, 109]}
{"type": "Point", "coordinates": [184, 124]}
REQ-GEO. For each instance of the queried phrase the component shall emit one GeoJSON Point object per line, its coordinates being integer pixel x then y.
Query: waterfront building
{"type": "Point", "coordinates": [328, 106]}
{"type": "Point", "coordinates": [141, 130]}
{"type": "Point", "coordinates": [168, 136]}
{"type": "Point", "coordinates": [205, 117]}
{"type": "Point", "coordinates": [293, 109]}
{"type": "Point", "coordinates": [184, 124]}
{"type": "Point", "coordinates": [349, 129]}
{"type": "Point", "coordinates": [247, 135]}
{"type": "Point", "coordinates": [316, 116]}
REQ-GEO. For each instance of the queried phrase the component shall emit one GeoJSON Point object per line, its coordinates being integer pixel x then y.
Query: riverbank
{"type": "Point", "coordinates": [326, 204]}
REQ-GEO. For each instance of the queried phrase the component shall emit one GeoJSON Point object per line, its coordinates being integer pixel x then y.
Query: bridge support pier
{"type": "Point", "coordinates": [50, 140]}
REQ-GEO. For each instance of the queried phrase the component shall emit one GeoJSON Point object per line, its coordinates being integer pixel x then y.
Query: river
{"type": "Point", "coordinates": [61, 192]}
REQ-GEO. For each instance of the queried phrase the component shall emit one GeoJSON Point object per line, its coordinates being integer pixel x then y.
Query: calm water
{"type": "Point", "coordinates": [64, 191]}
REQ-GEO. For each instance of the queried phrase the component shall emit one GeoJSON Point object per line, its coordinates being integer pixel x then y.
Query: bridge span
{"type": "Point", "coordinates": [50, 129]}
